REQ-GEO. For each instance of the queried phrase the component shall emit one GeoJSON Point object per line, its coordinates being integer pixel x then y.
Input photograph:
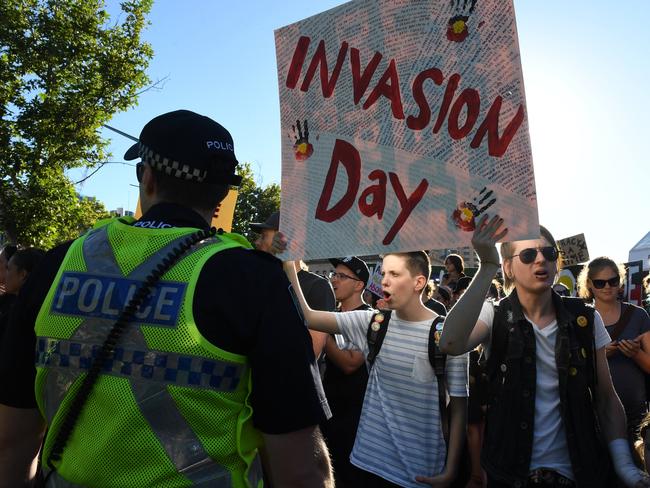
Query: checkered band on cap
{"type": "Point", "coordinates": [171, 167]}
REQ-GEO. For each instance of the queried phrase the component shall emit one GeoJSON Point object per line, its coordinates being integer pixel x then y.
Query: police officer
{"type": "Point", "coordinates": [189, 383]}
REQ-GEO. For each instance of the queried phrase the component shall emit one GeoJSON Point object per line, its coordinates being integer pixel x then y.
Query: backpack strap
{"type": "Point", "coordinates": [619, 327]}
{"type": "Point", "coordinates": [438, 359]}
{"type": "Point", "coordinates": [377, 329]}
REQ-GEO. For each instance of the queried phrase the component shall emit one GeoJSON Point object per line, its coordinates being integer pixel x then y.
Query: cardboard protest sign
{"type": "Point", "coordinates": [634, 282]}
{"type": "Point", "coordinates": [574, 250]}
{"type": "Point", "coordinates": [374, 285]}
{"type": "Point", "coordinates": [223, 215]}
{"type": "Point", "coordinates": [402, 124]}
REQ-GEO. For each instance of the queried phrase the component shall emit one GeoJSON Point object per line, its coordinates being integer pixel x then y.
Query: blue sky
{"type": "Point", "coordinates": [586, 68]}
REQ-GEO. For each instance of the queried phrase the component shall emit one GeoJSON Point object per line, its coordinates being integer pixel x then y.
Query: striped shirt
{"type": "Point", "coordinates": [399, 435]}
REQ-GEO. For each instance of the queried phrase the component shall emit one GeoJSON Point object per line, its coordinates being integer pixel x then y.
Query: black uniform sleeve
{"type": "Point", "coordinates": [17, 370]}
{"type": "Point", "coordinates": [243, 304]}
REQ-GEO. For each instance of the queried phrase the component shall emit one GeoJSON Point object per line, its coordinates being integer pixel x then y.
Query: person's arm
{"type": "Point", "coordinates": [611, 418]}
{"type": "Point", "coordinates": [457, 430]}
{"type": "Point", "coordinates": [316, 319]}
{"type": "Point", "coordinates": [320, 297]}
{"type": "Point", "coordinates": [298, 459]}
{"type": "Point", "coordinates": [347, 360]}
{"type": "Point", "coordinates": [463, 331]}
{"type": "Point", "coordinates": [636, 350]}
{"type": "Point", "coordinates": [21, 433]}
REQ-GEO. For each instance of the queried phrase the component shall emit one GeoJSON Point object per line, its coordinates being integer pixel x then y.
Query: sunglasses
{"type": "Point", "coordinates": [341, 276]}
{"type": "Point", "coordinates": [612, 282]}
{"type": "Point", "coordinates": [527, 256]}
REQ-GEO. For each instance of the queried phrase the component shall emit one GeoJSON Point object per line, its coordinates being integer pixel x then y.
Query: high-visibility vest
{"type": "Point", "coordinates": [170, 409]}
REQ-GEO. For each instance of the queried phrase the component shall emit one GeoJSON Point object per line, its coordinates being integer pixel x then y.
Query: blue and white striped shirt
{"type": "Point", "coordinates": [399, 435]}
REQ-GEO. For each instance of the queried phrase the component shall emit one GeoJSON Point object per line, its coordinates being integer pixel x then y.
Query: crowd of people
{"type": "Point", "coordinates": [163, 353]}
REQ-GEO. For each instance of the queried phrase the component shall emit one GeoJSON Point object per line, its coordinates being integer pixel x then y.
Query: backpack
{"type": "Point", "coordinates": [377, 329]}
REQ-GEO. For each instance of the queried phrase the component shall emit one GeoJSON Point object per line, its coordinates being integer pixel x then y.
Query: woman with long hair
{"type": "Point", "coordinates": [628, 353]}
{"type": "Point", "coordinates": [549, 388]}
{"type": "Point", "coordinates": [455, 267]}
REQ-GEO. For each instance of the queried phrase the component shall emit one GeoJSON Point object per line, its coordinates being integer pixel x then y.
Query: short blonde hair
{"type": "Point", "coordinates": [596, 266]}
{"type": "Point", "coordinates": [507, 249]}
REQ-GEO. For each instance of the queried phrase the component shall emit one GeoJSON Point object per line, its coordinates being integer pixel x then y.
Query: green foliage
{"type": "Point", "coordinates": [65, 69]}
{"type": "Point", "coordinates": [254, 203]}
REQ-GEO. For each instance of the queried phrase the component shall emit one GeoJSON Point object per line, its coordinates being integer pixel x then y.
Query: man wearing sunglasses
{"type": "Point", "coordinates": [187, 376]}
{"type": "Point", "coordinates": [553, 410]}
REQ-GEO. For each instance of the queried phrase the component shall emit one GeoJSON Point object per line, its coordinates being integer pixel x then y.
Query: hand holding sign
{"type": "Point", "coordinates": [485, 238]}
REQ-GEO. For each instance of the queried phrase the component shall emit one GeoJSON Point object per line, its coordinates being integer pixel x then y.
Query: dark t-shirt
{"type": "Point", "coordinates": [317, 291]}
{"type": "Point", "coordinates": [628, 378]}
{"type": "Point", "coordinates": [242, 303]}
{"type": "Point", "coordinates": [436, 306]}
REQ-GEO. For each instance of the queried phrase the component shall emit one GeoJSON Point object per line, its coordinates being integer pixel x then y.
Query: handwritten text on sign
{"type": "Point", "coordinates": [402, 123]}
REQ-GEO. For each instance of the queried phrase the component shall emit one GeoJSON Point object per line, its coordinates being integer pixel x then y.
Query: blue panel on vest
{"type": "Point", "coordinates": [192, 371]}
{"type": "Point", "coordinates": [89, 295]}
{"type": "Point", "coordinates": [147, 371]}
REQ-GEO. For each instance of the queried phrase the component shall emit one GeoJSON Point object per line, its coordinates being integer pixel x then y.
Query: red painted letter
{"type": "Point", "coordinates": [320, 58]}
{"type": "Point", "coordinates": [497, 146]}
{"type": "Point", "coordinates": [446, 101]}
{"type": "Point", "coordinates": [389, 90]}
{"type": "Point", "coordinates": [469, 97]}
{"type": "Point", "coordinates": [344, 153]}
{"type": "Point", "coordinates": [378, 194]}
{"type": "Point", "coordinates": [422, 120]}
{"type": "Point", "coordinates": [297, 61]}
{"type": "Point", "coordinates": [407, 204]}
{"type": "Point", "coordinates": [360, 81]}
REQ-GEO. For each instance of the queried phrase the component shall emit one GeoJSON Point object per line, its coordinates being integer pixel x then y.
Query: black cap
{"type": "Point", "coordinates": [187, 145]}
{"type": "Point", "coordinates": [273, 222]}
{"type": "Point", "coordinates": [356, 265]}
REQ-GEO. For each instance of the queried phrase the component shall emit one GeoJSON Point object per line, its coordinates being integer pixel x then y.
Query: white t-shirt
{"type": "Point", "coordinates": [399, 435]}
{"type": "Point", "coordinates": [550, 448]}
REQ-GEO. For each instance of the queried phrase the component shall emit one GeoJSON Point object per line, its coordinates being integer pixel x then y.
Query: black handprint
{"type": "Point", "coordinates": [465, 215]}
{"type": "Point", "coordinates": [301, 147]}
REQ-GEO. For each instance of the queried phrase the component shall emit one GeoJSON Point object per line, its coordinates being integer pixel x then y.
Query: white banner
{"type": "Point", "coordinates": [403, 123]}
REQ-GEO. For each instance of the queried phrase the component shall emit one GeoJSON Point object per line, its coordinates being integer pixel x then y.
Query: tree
{"type": "Point", "coordinates": [254, 202]}
{"type": "Point", "coordinates": [65, 70]}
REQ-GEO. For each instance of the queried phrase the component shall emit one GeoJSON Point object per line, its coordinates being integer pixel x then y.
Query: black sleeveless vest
{"type": "Point", "coordinates": [511, 369]}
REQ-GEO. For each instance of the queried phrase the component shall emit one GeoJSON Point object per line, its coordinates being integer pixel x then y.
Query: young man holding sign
{"type": "Point", "coordinates": [400, 438]}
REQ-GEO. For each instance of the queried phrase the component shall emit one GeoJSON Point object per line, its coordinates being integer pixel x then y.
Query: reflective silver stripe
{"type": "Point", "coordinates": [176, 436]}
{"type": "Point", "coordinates": [66, 359]}
{"type": "Point", "coordinates": [55, 481]}
{"type": "Point", "coordinates": [255, 473]}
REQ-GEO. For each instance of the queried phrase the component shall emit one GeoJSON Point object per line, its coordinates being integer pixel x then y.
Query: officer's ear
{"type": "Point", "coordinates": [149, 183]}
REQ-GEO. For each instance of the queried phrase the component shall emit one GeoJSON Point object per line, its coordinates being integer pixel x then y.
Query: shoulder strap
{"type": "Point", "coordinates": [436, 356]}
{"type": "Point", "coordinates": [626, 313]}
{"type": "Point", "coordinates": [437, 359]}
{"type": "Point", "coordinates": [377, 329]}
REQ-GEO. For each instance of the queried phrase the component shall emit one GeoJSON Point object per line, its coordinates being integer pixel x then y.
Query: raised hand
{"type": "Point", "coordinates": [279, 243]}
{"type": "Point", "coordinates": [485, 238]}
